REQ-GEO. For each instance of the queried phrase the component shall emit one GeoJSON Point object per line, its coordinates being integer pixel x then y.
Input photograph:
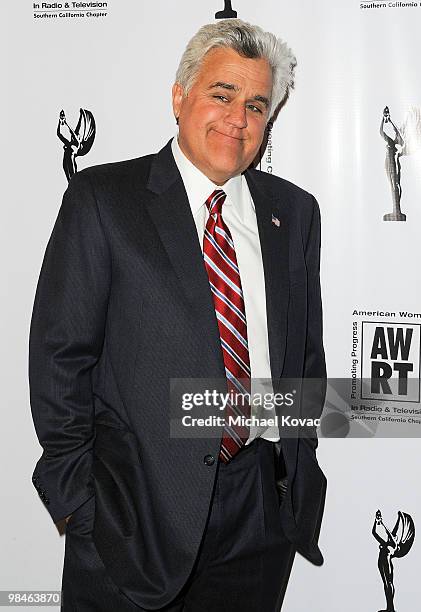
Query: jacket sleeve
{"type": "Point", "coordinates": [65, 343]}
{"type": "Point", "coordinates": [314, 375]}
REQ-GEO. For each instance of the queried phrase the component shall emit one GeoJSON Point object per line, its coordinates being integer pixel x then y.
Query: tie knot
{"type": "Point", "coordinates": [215, 201]}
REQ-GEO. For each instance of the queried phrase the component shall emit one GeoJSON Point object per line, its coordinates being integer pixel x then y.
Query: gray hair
{"type": "Point", "coordinates": [248, 41]}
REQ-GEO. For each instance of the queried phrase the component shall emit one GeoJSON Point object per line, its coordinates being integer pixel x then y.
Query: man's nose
{"type": "Point", "coordinates": [237, 115]}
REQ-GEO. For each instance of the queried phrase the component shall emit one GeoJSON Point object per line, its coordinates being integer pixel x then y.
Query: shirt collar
{"type": "Point", "coordinates": [199, 187]}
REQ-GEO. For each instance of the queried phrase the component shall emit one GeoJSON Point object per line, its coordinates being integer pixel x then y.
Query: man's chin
{"type": "Point", "coordinates": [223, 172]}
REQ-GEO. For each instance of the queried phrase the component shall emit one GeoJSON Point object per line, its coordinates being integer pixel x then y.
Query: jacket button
{"type": "Point", "coordinates": [209, 459]}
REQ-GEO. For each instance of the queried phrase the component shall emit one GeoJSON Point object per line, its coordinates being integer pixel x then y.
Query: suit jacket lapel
{"type": "Point", "coordinates": [274, 247]}
{"type": "Point", "coordinates": [171, 213]}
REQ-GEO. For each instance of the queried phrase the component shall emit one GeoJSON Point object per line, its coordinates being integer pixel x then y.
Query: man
{"type": "Point", "coordinates": [181, 265]}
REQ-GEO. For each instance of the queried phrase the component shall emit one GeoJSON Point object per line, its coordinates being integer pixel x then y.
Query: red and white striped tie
{"type": "Point", "coordinates": [224, 279]}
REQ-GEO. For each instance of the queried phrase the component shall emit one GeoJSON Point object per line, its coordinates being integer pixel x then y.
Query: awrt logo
{"type": "Point", "coordinates": [390, 367]}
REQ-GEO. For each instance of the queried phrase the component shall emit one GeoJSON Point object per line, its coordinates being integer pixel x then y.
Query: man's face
{"type": "Point", "coordinates": [222, 119]}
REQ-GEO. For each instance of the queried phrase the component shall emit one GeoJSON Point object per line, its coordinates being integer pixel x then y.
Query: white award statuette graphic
{"type": "Point", "coordinates": [393, 544]}
{"type": "Point", "coordinates": [399, 141]}
{"type": "Point", "coordinates": [78, 141]}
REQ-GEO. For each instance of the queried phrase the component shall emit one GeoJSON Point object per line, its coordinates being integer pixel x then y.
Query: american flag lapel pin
{"type": "Point", "coordinates": [275, 221]}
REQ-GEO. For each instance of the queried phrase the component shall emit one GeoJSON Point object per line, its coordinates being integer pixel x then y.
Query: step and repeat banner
{"type": "Point", "coordinates": [90, 82]}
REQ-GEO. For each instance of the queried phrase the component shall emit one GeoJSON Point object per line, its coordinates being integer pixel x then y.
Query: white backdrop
{"type": "Point", "coordinates": [352, 62]}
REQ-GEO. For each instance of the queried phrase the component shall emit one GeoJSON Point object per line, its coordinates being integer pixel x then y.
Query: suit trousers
{"type": "Point", "coordinates": [243, 563]}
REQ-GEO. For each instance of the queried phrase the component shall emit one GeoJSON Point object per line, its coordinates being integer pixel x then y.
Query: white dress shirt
{"type": "Point", "coordinates": [239, 214]}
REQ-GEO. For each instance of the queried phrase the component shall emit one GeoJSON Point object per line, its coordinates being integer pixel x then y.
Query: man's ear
{"type": "Point", "coordinates": [177, 99]}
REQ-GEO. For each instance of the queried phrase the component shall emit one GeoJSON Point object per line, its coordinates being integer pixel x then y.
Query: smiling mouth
{"type": "Point", "coordinates": [229, 136]}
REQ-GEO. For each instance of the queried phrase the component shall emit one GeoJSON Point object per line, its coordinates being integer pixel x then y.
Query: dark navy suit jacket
{"type": "Point", "coordinates": [123, 304]}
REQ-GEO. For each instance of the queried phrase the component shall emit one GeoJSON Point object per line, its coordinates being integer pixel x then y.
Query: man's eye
{"type": "Point", "coordinates": [223, 98]}
{"type": "Point", "coordinates": [254, 108]}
